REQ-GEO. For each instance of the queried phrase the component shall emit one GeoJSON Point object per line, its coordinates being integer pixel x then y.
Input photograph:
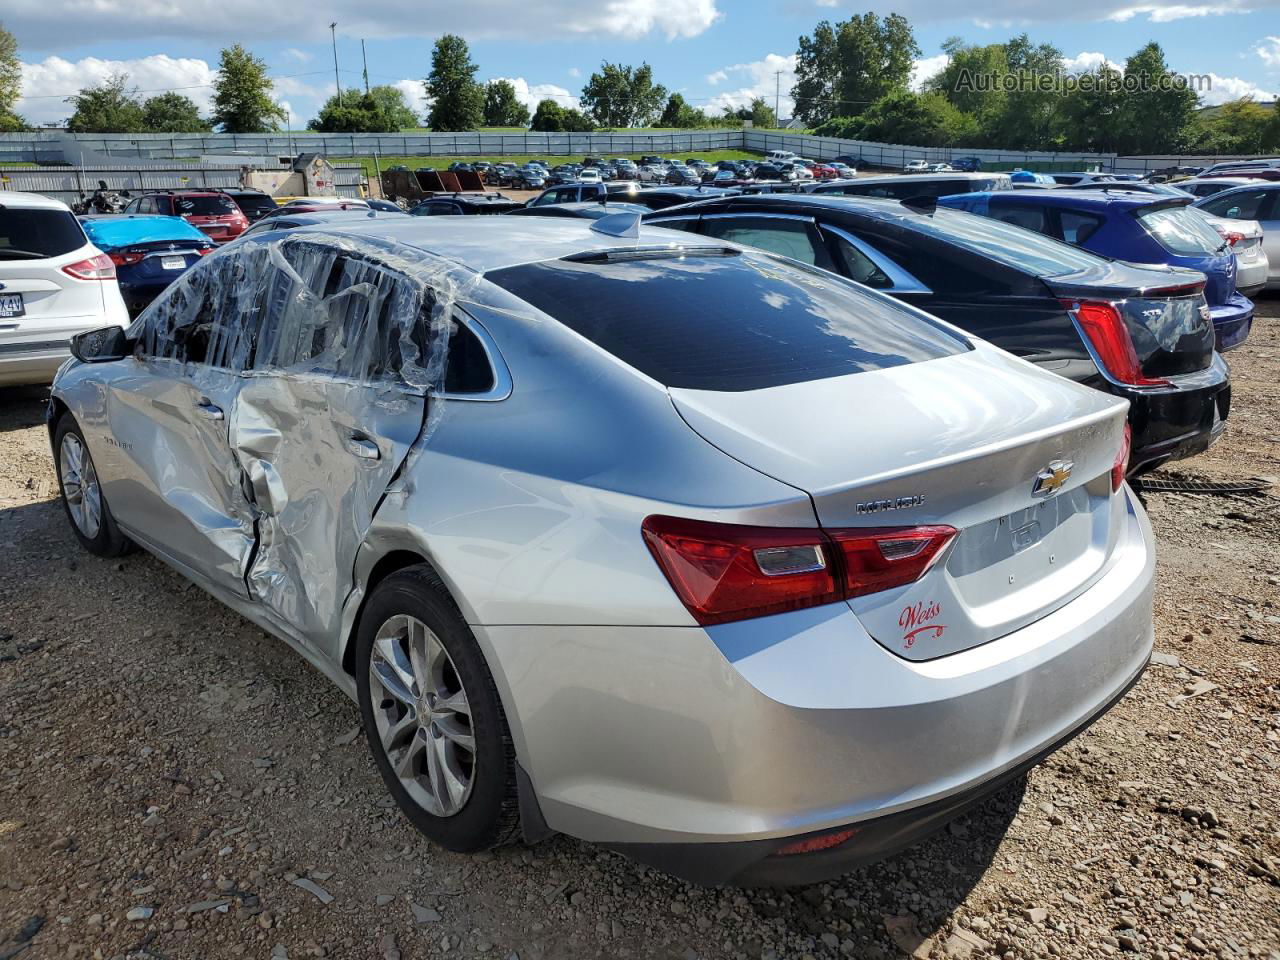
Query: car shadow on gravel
{"type": "Point", "coordinates": [22, 407]}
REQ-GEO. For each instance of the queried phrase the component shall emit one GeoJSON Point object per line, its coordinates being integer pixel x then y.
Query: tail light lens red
{"type": "Point", "coordinates": [97, 267]}
{"type": "Point", "coordinates": [824, 841]}
{"type": "Point", "coordinates": [1121, 464]}
{"type": "Point", "coordinates": [125, 259]}
{"type": "Point", "coordinates": [1103, 325]}
{"type": "Point", "coordinates": [723, 572]}
{"type": "Point", "coordinates": [1232, 237]}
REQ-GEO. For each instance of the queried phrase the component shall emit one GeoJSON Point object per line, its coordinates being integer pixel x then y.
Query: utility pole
{"type": "Point", "coordinates": [364, 56]}
{"type": "Point", "coordinates": [337, 84]}
{"type": "Point", "coordinates": [777, 92]}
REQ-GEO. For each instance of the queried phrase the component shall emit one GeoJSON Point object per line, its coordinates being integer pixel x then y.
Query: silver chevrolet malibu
{"type": "Point", "coordinates": [688, 550]}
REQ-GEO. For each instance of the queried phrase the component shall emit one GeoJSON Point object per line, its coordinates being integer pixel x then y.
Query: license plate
{"type": "Point", "coordinates": [11, 305]}
{"type": "Point", "coordinates": [173, 263]}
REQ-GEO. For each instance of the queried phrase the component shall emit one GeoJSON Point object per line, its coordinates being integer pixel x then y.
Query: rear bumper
{"type": "Point", "coordinates": [1180, 422]}
{"type": "Point", "coordinates": [1232, 321]}
{"type": "Point", "coordinates": [705, 751]}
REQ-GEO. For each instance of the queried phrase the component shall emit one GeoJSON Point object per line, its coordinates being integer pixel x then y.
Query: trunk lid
{"type": "Point", "coordinates": [959, 441]}
{"type": "Point", "coordinates": [1164, 310]}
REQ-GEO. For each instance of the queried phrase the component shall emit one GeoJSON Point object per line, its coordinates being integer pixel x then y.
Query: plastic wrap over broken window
{"type": "Point", "coordinates": [355, 308]}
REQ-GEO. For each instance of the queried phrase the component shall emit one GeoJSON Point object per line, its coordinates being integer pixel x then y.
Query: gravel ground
{"type": "Point", "coordinates": [174, 783]}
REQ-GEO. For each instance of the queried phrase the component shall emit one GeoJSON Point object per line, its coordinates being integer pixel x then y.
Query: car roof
{"type": "Point", "coordinates": [932, 177]}
{"type": "Point", "coordinates": [484, 244]}
{"type": "Point", "coordinates": [1117, 197]}
{"type": "Point", "coordinates": [1245, 187]}
{"type": "Point", "coordinates": [30, 201]}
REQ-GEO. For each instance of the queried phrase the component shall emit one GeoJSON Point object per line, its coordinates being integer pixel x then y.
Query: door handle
{"type": "Point", "coordinates": [363, 447]}
{"type": "Point", "coordinates": [208, 410]}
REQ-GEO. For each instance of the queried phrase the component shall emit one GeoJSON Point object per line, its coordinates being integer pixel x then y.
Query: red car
{"type": "Point", "coordinates": [821, 171]}
{"type": "Point", "coordinates": [214, 214]}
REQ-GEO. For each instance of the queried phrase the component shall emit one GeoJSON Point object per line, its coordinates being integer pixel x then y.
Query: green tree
{"type": "Point", "coordinates": [10, 82]}
{"type": "Point", "coordinates": [918, 119]}
{"type": "Point", "coordinates": [457, 101]}
{"type": "Point", "coordinates": [110, 107]}
{"type": "Point", "coordinates": [842, 69]}
{"type": "Point", "coordinates": [242, 94]}
{"type": "Point", "coordinates": [678, 113]}
{"type": "Point", "coordinates": [1091, 113]}
{"type": "Point", "coordinates": [173, 113]}
{"type": "Point", "coordinates": [817, 77]}
{"type": "Point", "coordinates": [353, 112]}
{"type": "Point", "coordinates": [623, 96]}
{"type": "Point", "coordinates": [1157, 116]}
{"type": "Point", "coordinates": [391, 100]}
{"type": "Point", "coordinates": [971, 79]}
{"type": "Point", "coordinates": [1237, 126]}
{"type": "Point", "coordinates": [550, 117]}
{"type": "Point", "coordinates": [502, 108]}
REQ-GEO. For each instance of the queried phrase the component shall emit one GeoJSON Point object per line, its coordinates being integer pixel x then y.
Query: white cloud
{"type": "Point", "coordinates": [1167, 12]}
{"type": "Point", "coordinates": [922, 70]}
{"type": "Point", "coordinates": [530, 93]}
{"type": "Point", "coordinates": [1222, 89]}
{"type": "Point", "coordinates": [1088, 61]}
{"type": "Point", "coordinates": [575, 72]}
{"type": "Point", "coordinates": [46, 84]}
{"type": "Point", "coordinates": [294, 53]}
{"type": "Point", "coordinates": [414, 95]}
{"type": "Point", "coordinates": [771, 78]}
{"type": "Point", "coordinates": [44, 25]}
{"type": "Point", "coordinates": [1269, 51]}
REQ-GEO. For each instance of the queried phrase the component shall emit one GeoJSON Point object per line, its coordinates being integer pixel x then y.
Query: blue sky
{"type": "Point", "coordinates": [715, 52]}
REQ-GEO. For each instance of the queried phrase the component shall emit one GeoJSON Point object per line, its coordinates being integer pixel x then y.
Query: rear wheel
{"type": "Point", "coordinates": [432, 715]}
{"type": "Point", "coordinates": [91, 519]}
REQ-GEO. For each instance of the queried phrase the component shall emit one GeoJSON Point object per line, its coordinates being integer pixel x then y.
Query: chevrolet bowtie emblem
{"type": "Point", "coordinates": [1050, 480]}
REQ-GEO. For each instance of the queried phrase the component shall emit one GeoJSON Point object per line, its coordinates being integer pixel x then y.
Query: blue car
{"type": "Point", "coordinates": [149, 252]}
{"type": "Point", "coordinates": [1137, 227]}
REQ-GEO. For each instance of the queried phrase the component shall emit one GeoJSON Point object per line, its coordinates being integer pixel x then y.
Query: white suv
{"type": "Point", "coordinates": [53, 284]}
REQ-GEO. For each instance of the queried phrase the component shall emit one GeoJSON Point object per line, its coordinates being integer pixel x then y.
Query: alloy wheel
{"type": "Point", "coordinates": [422, 714]}
{"type": "Point", "coordinates": [80, 486]}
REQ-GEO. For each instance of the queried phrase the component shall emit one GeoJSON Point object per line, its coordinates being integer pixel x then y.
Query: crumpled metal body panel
{"type": "Point", "coordinates": [278, 389]}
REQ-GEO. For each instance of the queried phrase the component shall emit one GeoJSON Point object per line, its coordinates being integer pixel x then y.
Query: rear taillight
{"type": "Point", "coordinates": [1232, 237]}
{"type": "Point", "coordinates": [97, 267]}
{"type": "Point", "coordinates": [876, 560]}
{"type": "Point", "coordinates": [723, 572]}
{"type": "Point", "coordinates": [1121, 464]}
{"type": "Point", "coordinates": [205, 251]}
{"type": "Point", "coordinates": [125, 259]}
{"type": "Point", "coordinates": [1103, 325]}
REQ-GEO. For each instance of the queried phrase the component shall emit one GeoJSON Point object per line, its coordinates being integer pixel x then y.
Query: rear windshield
{"type": "Point", "coordinates": [204, 206]}
{"type": "Point", "coordinates": [253, 202]}
{"type": "Point", "coordinates": [45, 233]}
{"type": "Point", "coordinates": [727, 323]}
{"type": "Point", "coordinates": [1006, 243]}
{"type": "Point", "coordinates": [1182, 232]}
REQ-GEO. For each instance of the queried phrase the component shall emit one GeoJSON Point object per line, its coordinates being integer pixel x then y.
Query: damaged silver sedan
{"type": "Point", "coordinates": [689, 550]}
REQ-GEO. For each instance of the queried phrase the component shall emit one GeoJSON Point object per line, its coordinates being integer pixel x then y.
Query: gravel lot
{"type": "Point", "coordinates": [175, 783]}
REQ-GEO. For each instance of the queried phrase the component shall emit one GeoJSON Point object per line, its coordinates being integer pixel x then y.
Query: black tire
{"type": "Point", "coordinates": [107, 541]}
{"type": "Point", "coordinates": [489, 817]}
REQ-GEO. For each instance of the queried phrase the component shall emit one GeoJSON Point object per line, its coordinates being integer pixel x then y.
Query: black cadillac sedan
{"type": "Point", "coordinates": [1142, 333]}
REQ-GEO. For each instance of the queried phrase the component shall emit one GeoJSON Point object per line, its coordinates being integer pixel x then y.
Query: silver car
{"type": "Point", "coordinates": [685, 549]}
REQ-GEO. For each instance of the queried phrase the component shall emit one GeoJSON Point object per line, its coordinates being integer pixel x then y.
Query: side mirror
{"type": "Point", "coordinates": [101, 345]}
